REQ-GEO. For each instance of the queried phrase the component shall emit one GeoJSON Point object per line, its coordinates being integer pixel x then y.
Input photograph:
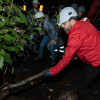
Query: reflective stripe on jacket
{"type": "Point", "coordinates": [85, 19]}
{"type": "Point", "coordinates": [84, 41]}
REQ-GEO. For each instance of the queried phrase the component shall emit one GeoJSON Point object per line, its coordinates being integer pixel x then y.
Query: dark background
{"type": "Point", "coordinates": [48, 3]}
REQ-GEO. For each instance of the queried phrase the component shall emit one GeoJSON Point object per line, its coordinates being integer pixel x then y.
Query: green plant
{"type": "Point", "coordinates": [10, 38]}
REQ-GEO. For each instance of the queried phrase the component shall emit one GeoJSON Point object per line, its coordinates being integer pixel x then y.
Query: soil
{"type": "Point", "coordinates": [62, 86]}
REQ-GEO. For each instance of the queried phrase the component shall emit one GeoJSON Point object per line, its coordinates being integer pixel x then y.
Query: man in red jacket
{"type": "Point", "coordinates": [84, 42]}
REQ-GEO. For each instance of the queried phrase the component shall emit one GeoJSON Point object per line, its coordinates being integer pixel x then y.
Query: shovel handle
{"type": "Point", "coordinates": [9, 86]}
{"type": "Point", "coordinates": [5, 89]}
{"type": "Point", "coordinates": [4, 94]}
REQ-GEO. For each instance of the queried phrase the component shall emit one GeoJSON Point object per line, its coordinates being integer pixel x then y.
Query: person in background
{"type": "Point", "coordinates": [59, 50]}
{"type": "Point", "coordinates": [50, 36]}
{"type": "Point", "coordinates": [56, 16]}
{"type": "Point", "coordinates": [74, 5]}
{"type": "Point", "coordinates": [33, 11]}
{"type": "Point", "coordinates": [81, 14]}
{"type": "Point", "coordinates": [83, 41]}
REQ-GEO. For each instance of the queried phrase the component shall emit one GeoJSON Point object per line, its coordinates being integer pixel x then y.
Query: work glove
{"type": "Point", "coordinates": [47, 73]}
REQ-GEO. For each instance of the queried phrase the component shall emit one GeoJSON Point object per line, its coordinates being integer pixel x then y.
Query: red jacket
{"type": "Point", "coordinates": [84, 41]}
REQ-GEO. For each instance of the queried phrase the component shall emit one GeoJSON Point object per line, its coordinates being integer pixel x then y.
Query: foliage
{"type": "Point", "coordinates": [9, 37]}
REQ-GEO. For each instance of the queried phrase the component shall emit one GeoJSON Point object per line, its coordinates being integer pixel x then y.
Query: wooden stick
{"type": "Point", "coordinates": [9, 86]}
{"type": "Point", "coordinates": [4, 94]}
{"type": "Point", "coordinates": [5, 91]}
{"type": "Point", "coordinates": [3, 85]}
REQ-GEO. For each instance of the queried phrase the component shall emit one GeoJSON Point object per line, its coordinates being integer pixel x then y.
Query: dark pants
{"type": "Point", "coordinates": [89, 75]}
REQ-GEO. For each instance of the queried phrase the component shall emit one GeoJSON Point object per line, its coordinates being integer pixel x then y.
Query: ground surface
{"type": "Point", "coordinates": [63, 86]}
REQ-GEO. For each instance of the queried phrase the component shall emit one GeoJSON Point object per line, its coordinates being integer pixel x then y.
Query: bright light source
{"type": "Point", "coordinates": [41, 8]}
{"type": "Point", "coordinates": [24, 7]}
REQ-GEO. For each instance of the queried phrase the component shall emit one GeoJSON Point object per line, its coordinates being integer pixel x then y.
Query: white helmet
{"type": "Point", "coordinates": [35, 1]}
{"type": "Point", "coordinates": [66, 14]}
{"type": "Point", "coordinates": [39, 14]}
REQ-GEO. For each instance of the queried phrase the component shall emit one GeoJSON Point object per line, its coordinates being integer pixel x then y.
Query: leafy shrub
{"type": "Point", "coordinates": [12, 31]}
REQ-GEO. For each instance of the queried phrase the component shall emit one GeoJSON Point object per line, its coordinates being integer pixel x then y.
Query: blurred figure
{"type": "Point", "coordinates": [35, 8]}
{"type": "Point", "coordinates": [60, 8]}
{"type": "Point", "coordinates": [52, 11]}
{"type": "Point", "coordinates": [56, 16]}
{"type": "Point", "coordinates": [75, 6]}
{"type": "Point", "coordinates": [33, 11]}
{"type": "Point", "coordinates": [59, 50]}
{"type": "Point", "coordinates": [50, 36]}
{"type": "Point", "coordinates": [82, 14]}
